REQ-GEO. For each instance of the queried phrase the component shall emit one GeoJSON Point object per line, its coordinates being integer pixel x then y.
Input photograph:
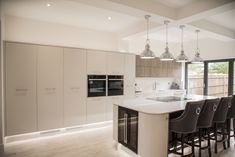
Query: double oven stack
{"type": "Point", "coordinates": [105, 85]}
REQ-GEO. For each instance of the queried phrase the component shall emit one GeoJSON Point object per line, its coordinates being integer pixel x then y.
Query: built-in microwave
{"type": "Point", "coordinates": [96, 85]}
{"type": "Point", "coordinates": [115, 85]}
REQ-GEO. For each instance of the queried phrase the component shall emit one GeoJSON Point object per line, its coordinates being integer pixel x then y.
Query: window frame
{"type": "Point", "coordinates": [231, 63]}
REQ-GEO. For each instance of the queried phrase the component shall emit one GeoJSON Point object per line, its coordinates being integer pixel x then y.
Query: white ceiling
{"type": "Point", "coordinates": [174, 35]}
{"type": "Point", "coordinates": [95, 16]}
{"type": "Point", "coordinates": [175, 3]}
{"type": "Point", "coordinates": [70, 13]}
{"type": "Point", "coordinates": [226, 19]}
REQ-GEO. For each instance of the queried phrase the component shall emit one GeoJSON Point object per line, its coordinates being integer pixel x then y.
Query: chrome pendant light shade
{"type": "Point", "coordinates": [166, 56]}
{"type": "Point", "coordinates": [197, 58]}
{"type": "Point", "coordinates": [182, 57]}
{"type": "Point", "coordinates": [147, 53]}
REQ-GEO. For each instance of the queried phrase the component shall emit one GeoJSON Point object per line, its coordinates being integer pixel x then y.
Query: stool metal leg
{"type": "Point", "coordinates": [200, 143]}
{"type": "Point", "coordinates": [209, 143]}
{"type": "Point", "coordinates": [215, 134]}
{"type": "Point", "coordinates": [182, 144]}
{"type": "Point", "coordinates": [228, 131]}
{"type": "Point", "coordinates": [223, 138]}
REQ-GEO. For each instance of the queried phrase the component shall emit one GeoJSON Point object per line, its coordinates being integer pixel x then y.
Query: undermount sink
{"type": "Point", "coordinates": [169, 98]}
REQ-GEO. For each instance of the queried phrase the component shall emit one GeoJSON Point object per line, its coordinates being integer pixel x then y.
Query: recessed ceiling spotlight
{"type": "Point", "coordinates": [48, 4]}
{"type": "Point", "coordinates": [109, 18]}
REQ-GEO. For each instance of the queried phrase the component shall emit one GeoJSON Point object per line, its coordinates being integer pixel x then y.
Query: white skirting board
{"type": "Point", "coordinates": [57, 132]}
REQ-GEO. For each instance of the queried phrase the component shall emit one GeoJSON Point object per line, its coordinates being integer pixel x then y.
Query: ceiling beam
{"type": "Point", "coordinates": [196, 20]}
{"type": "Point", "coordinates": [213, 28]}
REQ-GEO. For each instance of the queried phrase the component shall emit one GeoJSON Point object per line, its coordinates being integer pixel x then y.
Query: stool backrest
{"type": "Point", "coordinates": [231, 110]}
{"type": "Point", "coordinates": [222, 110]}
{"type": "Point", "coordinates": [207, 114]}
{"type": "Point", "coordinates": [188, 119]}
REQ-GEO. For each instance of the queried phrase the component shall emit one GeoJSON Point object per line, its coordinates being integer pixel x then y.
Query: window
{"type": "Point", "coordinates": [234, 77]}
{"type": "Point", "coordinates": [217, 79]}
{"type": "Point", "coordinates": [195, 78]}
{"type": "Point", "coordinates": [212, 77]}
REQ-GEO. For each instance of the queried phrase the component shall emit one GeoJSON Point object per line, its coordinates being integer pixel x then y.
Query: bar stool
{"type": "Point", "coordinates": [205, 122]}
{"type": "Point", "coordinates": [230, 116]}
{"type": "Point", "coordinates": [185, 125]}
{"type": "Point", "coordinates": [219, 120]}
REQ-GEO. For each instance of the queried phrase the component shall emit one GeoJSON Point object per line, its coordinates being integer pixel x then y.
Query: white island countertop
{"type": "Point", "coordinates": [145, 105]}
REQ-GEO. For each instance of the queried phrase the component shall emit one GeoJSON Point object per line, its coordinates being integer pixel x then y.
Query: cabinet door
{"type": "Point", "coordinates": [115, 62]}
{"type": "Point", "coordinates": [129, 76]}
{"type": "Point", "coordinates": [109, 105]}
{"type": "Point", "coordinates": [20, 88]}
{"type": "Point", "coordinates": [96, 110]}
{"type": "Point", "coordinates": [96, 62]}
{"type": "Point", "coordinates": [49, 87]}
{"type": "Point", "coordinates": [74, 87]}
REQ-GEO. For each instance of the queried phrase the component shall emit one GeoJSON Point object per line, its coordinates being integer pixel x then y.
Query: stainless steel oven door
{"type": "Point", "coordinates": [96, 85]}
{"type": "Point", "coordinates": [115, 85]}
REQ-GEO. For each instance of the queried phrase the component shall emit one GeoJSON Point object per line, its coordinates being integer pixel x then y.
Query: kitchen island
{"type": "Point", "coordinates": [141, 124]}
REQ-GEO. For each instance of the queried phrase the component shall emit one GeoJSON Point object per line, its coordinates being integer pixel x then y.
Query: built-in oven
{"type": "Point", "coordinates": [115, 85]}
{"type": "Point", "coordinates": [96, 85]}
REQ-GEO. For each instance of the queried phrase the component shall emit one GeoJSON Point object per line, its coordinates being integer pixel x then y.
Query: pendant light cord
{"type": "Point", "coordinates": [197, 31]}
{"type": "Point", "coordinates": [166, 33]}
{"type": "Point", "coordinates": [182, 35]}
{"type": "Point", "coordinates": [147, 18]}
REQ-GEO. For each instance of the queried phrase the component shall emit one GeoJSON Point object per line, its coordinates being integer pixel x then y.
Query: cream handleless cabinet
{"type": "Point", "coordinates": [21, 101]}
{"type": "Point", "coordinates": [115, 63]}
{"type": "Point", "coordinates": [50, 87]}
{"type": "Point", "coordinates": [129, 76]}
{"type": "Point", "coordinates": [74, 87]}
{"type": "Point", "coordinates": [110, 103]}
{"type": "Point", "coordinates": [96, 109]}
{"type": "Point", "coordinates": [96, 62]}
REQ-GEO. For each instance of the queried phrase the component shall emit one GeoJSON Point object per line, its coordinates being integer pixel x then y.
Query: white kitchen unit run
{"type": "Point", "coordinates": [96, 109]}
{"type": "Point", "coordinates": [50, 87]}
{"type": "Point", "coordinates": [96, 62]}
{"type": "Point", "coordinates": [129, 76]}
{"type": "Point", "coordinates": [115, 63]}
{"type": "Point", "coordinates": [74, 87]}
{"type": "Point", "coordinates": [21, 98]}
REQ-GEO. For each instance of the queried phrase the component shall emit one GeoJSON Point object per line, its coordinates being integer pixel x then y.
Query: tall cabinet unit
{"type": "Point", "coordinates": [115, 63]}
{"type": "Point", "coordinates": [21, 106]}
{"type": "Point", "coordinates": [96, 62]}
{"type": "Point", "coordinates": [129, 76]}
{"type": "Point", "coordinates": [74, 87]}
{"type": "Point", "coordinates": [50, 87]}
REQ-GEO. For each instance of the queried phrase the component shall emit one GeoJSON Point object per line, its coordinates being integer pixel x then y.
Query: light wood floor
{"type": "Point", "coordinates": [91, 143]}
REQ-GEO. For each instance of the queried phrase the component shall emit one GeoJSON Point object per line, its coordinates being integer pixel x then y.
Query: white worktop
{"type": "Point", "coordinates": [143, 104]}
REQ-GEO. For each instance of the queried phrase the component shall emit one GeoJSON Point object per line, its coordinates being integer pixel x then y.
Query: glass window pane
{"type": "Point", "coordinates": [195, 78]}
{"type": "Point", "coordinates": [218, 79]}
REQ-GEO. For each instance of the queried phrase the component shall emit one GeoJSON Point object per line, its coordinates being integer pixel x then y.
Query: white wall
{"type": "Point", "coordinates": [212, 49]}
{"type": "Point", "coordinates": [209, 48]}
{"type": "Point", "coordinates": [32, 31]}
{"type": "Point", "coordinates": [137, 45]}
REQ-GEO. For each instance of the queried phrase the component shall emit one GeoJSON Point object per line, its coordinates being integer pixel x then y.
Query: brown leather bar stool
{"type": "Point", "coordinates": [186, 124]}
{"type": "Point", "coordinates": [231, 116]}
{"type": "Point", "coordinates": [219, 120]}
{"type": "Point", "coordinates": [205, 122]}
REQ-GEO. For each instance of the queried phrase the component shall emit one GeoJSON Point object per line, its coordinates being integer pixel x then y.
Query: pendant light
{"type": "Point", "coordinates": [197, 58]}
{"type": "Point", "coordinates": [147, 53]}
{"type": "Point", "coordinates": [182, 57]}
{"type": "Point", "coordinates": [166, 56]}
